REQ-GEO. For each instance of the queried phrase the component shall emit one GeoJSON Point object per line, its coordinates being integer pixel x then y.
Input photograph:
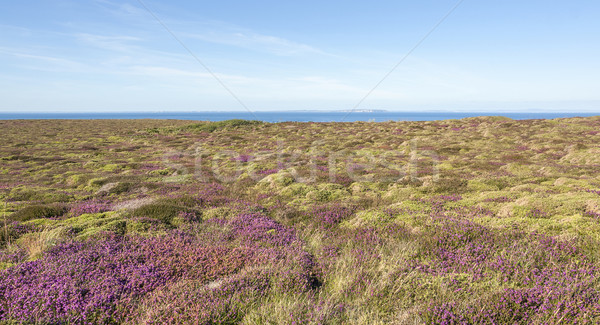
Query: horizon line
{"type": "Point", "coordinates": [511, 111]}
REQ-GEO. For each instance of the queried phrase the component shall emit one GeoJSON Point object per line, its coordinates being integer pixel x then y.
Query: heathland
{"type": "Point", "coordinates": [475, 221]}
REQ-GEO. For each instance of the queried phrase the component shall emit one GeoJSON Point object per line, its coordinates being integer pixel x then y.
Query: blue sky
{"type": "Point", "coordinates": [105, 55]}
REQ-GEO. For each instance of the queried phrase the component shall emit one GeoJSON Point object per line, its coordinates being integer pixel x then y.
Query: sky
{"type": "Point", "coordinates": [115, 56]}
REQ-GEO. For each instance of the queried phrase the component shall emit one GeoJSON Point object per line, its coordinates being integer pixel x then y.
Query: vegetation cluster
{"type": "Point", "coordinates": [476, 221]}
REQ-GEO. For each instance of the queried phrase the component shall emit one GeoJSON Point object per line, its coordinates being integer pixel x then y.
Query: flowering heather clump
{"type": "Point", "coordinates": [188, 216]}
{"type": "Point", "coordinates": [537, 213]}
{"type": "Point", "coordinates": [10, 257]}
{"type": "Point", "coordinates": [561, 276]}
{"type": "Point", "coordinates": [287, 268]}
{"type": "Point", "coordinates": [499, 199]}
{"type": "Point", "coordinates": [89, 207]}
{"type": "Point", "coordinates": [329, 255]}
{"type": "Point", "coordinates": [268, 171]}
{"type": "Point", "coordinates": [444, 314]}
{"type": "Point", "coordinates": [210, 194]}
{"type": "Point", "coordinates": [572, 304]}
{"type": "Point", "coordinates": [95, 281]}
{"type": "Point", "coordinates": [256, 229]}
{"type": "Point", "coordinates": [593, 191]}
{"type": "Point", "coordinates": [297, 272]}
{"type": "Point", "coordinates": [150, 167]}
{"type": "Point", "coordinates": [242, 158]}
{"type": "Point", "coordinates": [194, 302]}
{"type": "Point", "coordinates": [330, 215]}
{"type": "Point", "coordinates": [447, 198]}
{"type": "Point", "coordinates": [342, 179]}
{"type": "Point", "coordinates": [592, 214]}
{"type": "Point", "coordinates": [14, 230]}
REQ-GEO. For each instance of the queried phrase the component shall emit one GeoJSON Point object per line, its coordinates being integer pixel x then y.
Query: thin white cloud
{"type": "Point", "coordinates": [46, 60]}
{"type": "Point", "coordinates": [120, 9]}
{"type": "Point", "coordinates": [113, 43]}
{"type": "Point", "coordinates": [167, 72]}
{"type": "Point", "coordinates": [258, 42]}
{"type": "Point", "coordinates": [217, 32]}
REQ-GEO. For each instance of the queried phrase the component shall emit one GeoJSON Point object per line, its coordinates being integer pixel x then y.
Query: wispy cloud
{"type": "Point", "coordinates": [217, 32]}
{"type": "Point", "coordinates": [41, 62]}
{"type": "Point", "coordinates": [117, 43]}
{"type": "Point", "coordinates": [254, 41]}
{"type": "Point", "coordinates": [121, 9]}
{"type": "Point", "coordinates": [167, 72]}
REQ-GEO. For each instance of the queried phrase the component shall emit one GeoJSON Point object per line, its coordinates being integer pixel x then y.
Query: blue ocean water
{"type": "Point", "coordinates": [292, 116]}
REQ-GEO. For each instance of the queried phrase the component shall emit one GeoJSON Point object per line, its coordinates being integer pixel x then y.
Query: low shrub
{"type": "Point", "coordinates": [166, 210]}
{"type": "Point", "coordinates": [213, 126]}
{"type": "Point", "coordinates": [38, 211]}
{"type": "Point", "coordinates": [11, 231]}
{"type": "Point", "coordinates": [198, 303]}
{"type": "Point", "coordinates": [449, 185]}
{"type": "Point", "coordinates": [97, 280]}
{"type": "Point", "coordinates": [328, 216]}
{"type": "Point", "coordinates": [42, 195]}
{"type": "Point", "coordinates": [86, 207]}
{"type": "Point", "coordinates": [121, 188]}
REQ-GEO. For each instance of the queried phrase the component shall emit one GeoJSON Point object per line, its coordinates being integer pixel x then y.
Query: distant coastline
{"type": "Point", "coordinates": [295, 116]}
{"type": "Point", "coordinates": [364, 110]}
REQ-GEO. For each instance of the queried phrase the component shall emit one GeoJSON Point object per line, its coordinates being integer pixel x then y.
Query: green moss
{"type": "Point", "coordinates": [177, 178]}
{"type": "Point", "coordinates": [89, 225]}
{"type": "Point", "coordinates": [570, 183]}
{"type": "Point", "coordinates": [116, 226]}
{"type": "Point", "coordinates": [4, 266]}
{"type": "Point", "coordinates": [528, 212]}
{"type": "Point", "coordinates": [443, 166]}
{"type": "Point", "coordinates": [97, 182]}
{"type": "Point", "coordinates": [40, 194]}
{"type": "Point", "coordinates": [145, 226]}
{"type": "Point", "coordinates": [499, 182]}
{"type": "Point", "coordinates": [114, 138]}
{"type": "Point", "coordinates": [413, 206]}
{"type": "Point", "coordinates": [367, 187]}
{"type": "Point", "coordinates": [446, 185]}
{"type": "Point", "coordinates": [480, 186]}
{"type": "Point", "coordinates": [43, 223]}
{"type": "Point", "coordinates": [276, 182]}
{"type": "Point", "coordinates": [521, 170]}
{"type": "Point", "coordinates": [397, 193]}
{"type": "Point", "coordinates": [330, 187]}
{"type": "Point", "coordinates": [78, 179]}
{"type": "Point", "coordinates": [110, 167]}
{"type": "Point", "coordinates": [558, 225]}
{"type": "Point", "coordinates": [541, 205]}
{"type": "Point", "coordinates": [367, 218]}
{"type": "Point", "coordinates": [296, 190]}
{"type": "Point", "coordinates": [161, 172]}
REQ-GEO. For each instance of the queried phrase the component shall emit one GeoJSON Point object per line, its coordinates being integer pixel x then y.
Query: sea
{"type": "Point", "coordinates": [295, 116]}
